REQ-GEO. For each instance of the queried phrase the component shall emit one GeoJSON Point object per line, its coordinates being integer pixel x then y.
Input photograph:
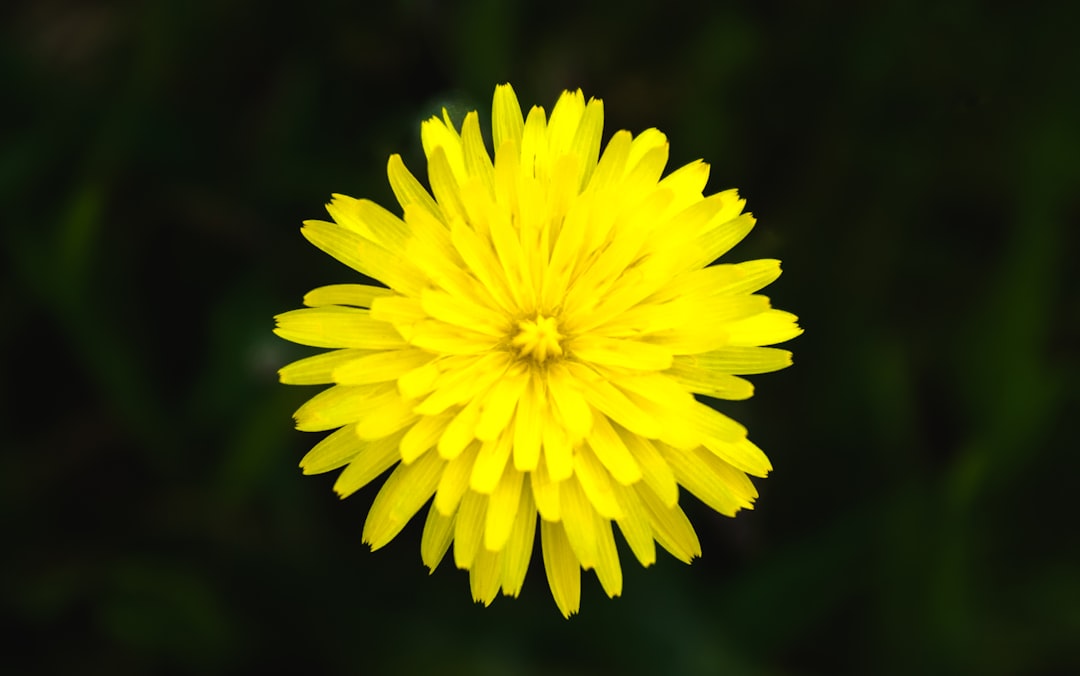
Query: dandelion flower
{"type": "Point", "coordinates": [532, 356]}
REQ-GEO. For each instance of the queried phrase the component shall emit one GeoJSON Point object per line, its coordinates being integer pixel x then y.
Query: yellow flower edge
{"type": "Point", "coordinates": [546, 322]}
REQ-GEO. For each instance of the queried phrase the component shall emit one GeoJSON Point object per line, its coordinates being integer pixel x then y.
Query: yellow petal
{"type": "Point", "coordinates": [336, 450]}
{"type": "Point", "coordinates": [742, 454]}
{"type": "Point", "coordinates": [587, 138]}
{"type": "Point", "coordinates": [672, 244]}
{"type": "Point", "coordinates": [405, 491]}
{"type": "Point", "coordinates": [634, 221]}
{"type": "Point", "coordinates": [422, 380]}
{"type": "Point", "coordinates": [508, 175]}
{"type": "Point", "coordinates": [469, 313]}
{"type": "Point", "coordinates": [704, 318]}
{"type": "Point", "coordinates": [701, 478]}
{"type": "Point", "coordinates": [741, 360]}
{"type": "Point", "coordinates": [369, 220]}
{"type": "Point", "coordinates": [608, 569]}
{"type": "Point", "coordinates": [319, 369]}
{"type": "Point", "coordinates": [568, 249]}
{"type": "Point", "coordinates": [402, 312]}
{"type": "Point", "coordinates": [558, 452]}
{"type": "Point", "coordinates": [534, 233]}
{"type": "Point", "coordinates": [718, 240]}
{"type": "Point", "coordinates": [534, 144]}
{"type": "Point", "coordinates": [596, 483]}
{"type": "Point", "coordinates": [499, 404]}
{"type": "Point", "coordinates": [614, 403]}
{"type": "Point", "coordinates": [512, 260]}
{"type": "Point", "coordinates": [444, 338]}
{"type": "Point", "coordinates": [340, 405]}
{"type": "Point", "coordinates": [625, 353]}
{"type": "Point", "coordinates": [335, 326]}
{"type": "Point", "coordinates": [364, 256]}
{"type": "Point", "coordinates": [561, 566]}
{"type": "Point", "coordinates": [408, 190]}
{"type": "Point", "coordinates": [546, 212]}
{"type": "Point", "coordinates": [445, 178]}
{"type": "Point", "coordinates": [477, 253]}
{"type": "Point", "coordinates": [657, 388]}
{"type": "Point", "coordinates": [670, 526]}
{"type": "Point", "coordinates": [519, 545]}
{"type": "Point", "coordinates": [469, 528]}
{"type": "Point", "coordinates": [746, 277]}
{"type": "Point", "coordinates": [380, 367]}
{"type": "Point", "coordinates": [612, 163]}
{"type": "Point", "coordinates": [385, 416]}
{"type": "Point", "coordinates": [670, 417]}
{"type": "Point", "coordinates": [687, 183]}
{"type": "Point", "coordinates": [356, 295]}
{"type": "Point", "coordinates": [655, 471]}
{"type": "Point", "coordinates": [545, 493]}
{"type": "Point", "coordinates": [507, 122]}
{"type": "Point", "coordinates": [579, 522]}
{"type": "Point", "coordinates": [436, 135]}
{"type": "Point", "coordinates": [565, 117]}
{"type": "Point", "coordinates": [502, 510]}
{"type": "Point", "coordinates": [467, 379]}
{"type": "Point", "coordinates": [713, 424]}
{"type": "Point", "coordinates": [574, 410]}
{"type": "Point", "coordinates": [423, 435]}
{"type": "Point", "coordinates": [477, 160]}
{"type": "Point", "coordinates": [643, 176]}
{"type": "Point", "coordinates": [622, 313]}
{"type": "Point", "coordinates": [767, 328]}
{"type": "Point", "coordinates": [485, 576]}
{"type": "Point", "coordinates": [634, 525]}
{"type": "Point", "coordinates": [374, 458]}
{"type": "Point", "coordinates": [719, 385]}
{"type": "Point", "coordinates": [455, 480]}
{"type": "Point", "coordinates": [615, 457]}
{"type": "Point", "coordinates": [438, 532]}
{"type": "Point", "coordinates": [459, 432]}
{"type": "Point", "coordinates": [644, 143]}
{"type": "Point", "coordinates": [490, 463]}
{"type": "Point", "coordinates": [737, 482]}
{"type": "Point", "coordinates": [527, 421]}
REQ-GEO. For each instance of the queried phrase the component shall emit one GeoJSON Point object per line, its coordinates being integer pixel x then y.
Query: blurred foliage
{"type": "Point", "coordinates": [914, 164]}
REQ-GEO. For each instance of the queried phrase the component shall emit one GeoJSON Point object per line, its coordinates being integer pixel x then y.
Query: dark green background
{"type": "Point", "coordinates": [914, 164]}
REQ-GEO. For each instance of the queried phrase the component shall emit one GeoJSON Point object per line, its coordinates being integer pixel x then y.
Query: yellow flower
{"type": "Point", "coordinates": [546, 320]}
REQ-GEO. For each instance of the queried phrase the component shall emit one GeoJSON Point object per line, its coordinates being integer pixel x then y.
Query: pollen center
{"type": "Point", "coordinates": [538, 338]}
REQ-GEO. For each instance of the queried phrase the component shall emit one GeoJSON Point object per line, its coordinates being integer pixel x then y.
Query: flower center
{"type": "Point", "coordinates": [538, 339]}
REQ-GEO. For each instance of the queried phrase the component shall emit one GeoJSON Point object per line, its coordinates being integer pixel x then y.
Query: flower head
{"type": "Point", "coordinates": [546, 320]}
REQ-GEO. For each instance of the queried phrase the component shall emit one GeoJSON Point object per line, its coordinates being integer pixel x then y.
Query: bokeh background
{"type": "Point", "coordinates": [914, 164]}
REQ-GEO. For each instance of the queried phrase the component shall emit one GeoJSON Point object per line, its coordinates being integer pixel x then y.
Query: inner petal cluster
{"type": "Point", "coordinates": [538, 339]}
